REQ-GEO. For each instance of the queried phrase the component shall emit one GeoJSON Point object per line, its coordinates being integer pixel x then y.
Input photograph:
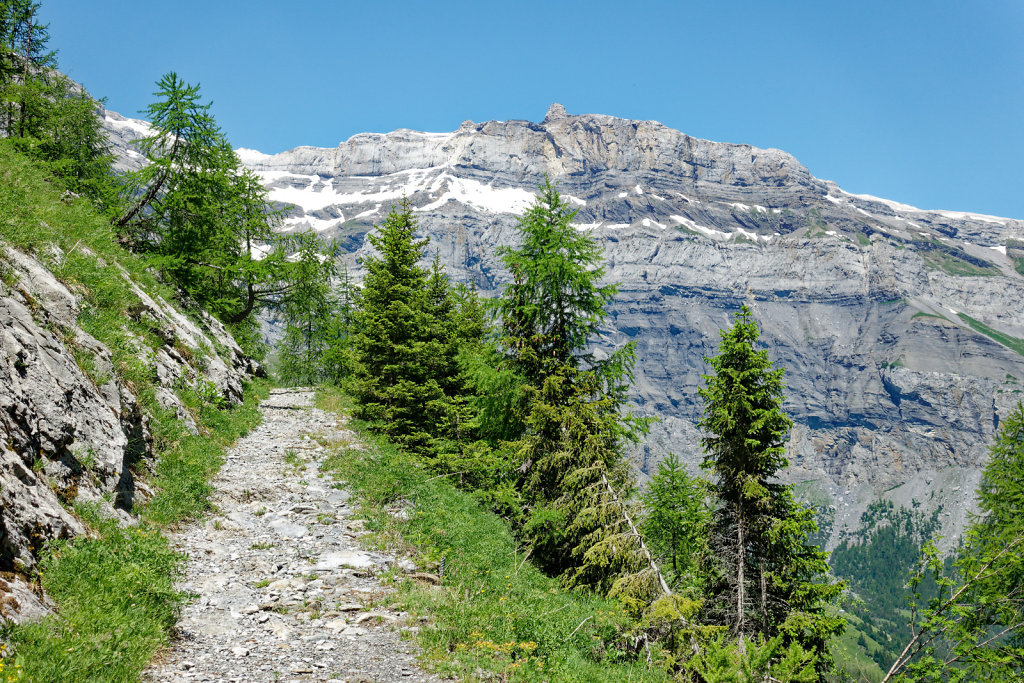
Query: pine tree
{"type": "Point", "coordinates": [766, 579]}
{"type": "Point", "coordinates": [186, 142]}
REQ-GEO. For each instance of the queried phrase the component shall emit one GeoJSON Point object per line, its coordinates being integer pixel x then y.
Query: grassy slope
{"type": "Point", "coordinates": [495, 610]}
{"type": "Point", "coordinates": [1006, 340]}
{"type": "Point", "coordinates": [114, 592]}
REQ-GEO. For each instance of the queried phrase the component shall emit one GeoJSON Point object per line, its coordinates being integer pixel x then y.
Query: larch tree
{"type": "Point", "coordinates": [676, 517]}
{"type": "Point", "coordinates": [766, 580]}
{"type": "Point", "coordinates": [204, 221]}
{"type": "Point", "coordinates": [574, 478]}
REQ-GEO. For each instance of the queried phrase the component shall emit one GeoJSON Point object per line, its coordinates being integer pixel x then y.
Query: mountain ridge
{"type": "Point", "coordinates": [877, 310]}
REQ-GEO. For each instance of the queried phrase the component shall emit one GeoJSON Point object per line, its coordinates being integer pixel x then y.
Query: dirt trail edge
{"type": "Point", "coordinates": [279, 578]}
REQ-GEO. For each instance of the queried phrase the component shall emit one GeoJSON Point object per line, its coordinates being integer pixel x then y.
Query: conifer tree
{"type": "Point", "coordinates": [338, 358]}
{"type": "Point", "coordinates": [44, 114]}
{"type": "Point", "coordinates": [677, 517]}
{"type": "Point", "coordinates": [573, 475]}
{"type": "Point", "coordinates": [974, 628]}
{"type": "Point", "coordinates": [26, 68]}
{"type": "Point", "coordinates": [204, 221]}
{"type": "Point", "coordinates": [766, 579]}
{"type": "Point", "coordinates": [308, 310]}
{"type": "Point", "coordinates": [397, 349]}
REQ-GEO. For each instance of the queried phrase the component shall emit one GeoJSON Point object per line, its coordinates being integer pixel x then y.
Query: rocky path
{"type": "Point", "coordinates": [282, 587]}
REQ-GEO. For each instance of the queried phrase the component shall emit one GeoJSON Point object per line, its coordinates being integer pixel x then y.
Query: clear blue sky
{"type": "Point", "coordinates": [921, 102]}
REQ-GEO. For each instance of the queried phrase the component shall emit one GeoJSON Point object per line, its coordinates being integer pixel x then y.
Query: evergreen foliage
{"type": "Point", "coordinates": [676, 522]}
{"type": "Point", "coordinates": [554, 305]}
{"type": "Point", "coordinates": [574, 479]}
{"type": "Point", "coordinates": [337, 360]}
{"type": "Point", "coordinates": [974, 628]}
{"type": "Point", "coordinates": [765, 580]}
{"type": "Point", "coordinates": [410, 327]}
{"type": "Point", "coordinates": [308, 311]}
{"type": "Point", "coordinates": [46, 116]}
{"type": "Point", "coordinates": [876, 561]}
{"type": "Point", "coordinates": [205, 221]}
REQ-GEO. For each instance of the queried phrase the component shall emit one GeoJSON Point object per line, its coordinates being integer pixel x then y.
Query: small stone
{"type": "Point", "coordinates": [349, 607]}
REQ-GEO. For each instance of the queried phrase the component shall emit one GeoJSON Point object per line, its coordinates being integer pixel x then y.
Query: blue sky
{"type": "Point", "coordinates": [921, 102]}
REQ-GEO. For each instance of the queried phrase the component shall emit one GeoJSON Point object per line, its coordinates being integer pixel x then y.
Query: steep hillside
{"type": "Point", "coordinates": [900, 328]}
{"type": "Point", "coordinates": [98, 372]}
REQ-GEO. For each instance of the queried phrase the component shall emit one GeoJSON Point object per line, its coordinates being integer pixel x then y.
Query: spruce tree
{"type": "Point", "coordinates": [766, 579]}
{"type": "Point", "coordinates": [397, 350]}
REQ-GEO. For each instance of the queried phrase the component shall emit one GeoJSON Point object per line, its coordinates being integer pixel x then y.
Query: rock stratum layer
{"type": "Point", "coordinates": [898, 327]}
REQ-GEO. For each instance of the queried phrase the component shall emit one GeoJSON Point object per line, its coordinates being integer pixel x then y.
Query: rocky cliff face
{"type": "Point", "coordinates": [72, 429]}
{"type": "Point", "coordinates": [873, 307]}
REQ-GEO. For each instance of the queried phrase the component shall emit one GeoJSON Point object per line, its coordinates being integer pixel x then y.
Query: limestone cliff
{"type": "Point", "coordinates": [873, 307]}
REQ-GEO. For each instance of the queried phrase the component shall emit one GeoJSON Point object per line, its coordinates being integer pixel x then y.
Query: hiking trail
{"type": "Point", "coordinates": [282, 589]}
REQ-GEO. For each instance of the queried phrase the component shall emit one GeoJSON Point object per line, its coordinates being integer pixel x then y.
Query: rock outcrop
{"type": "Point", "coordinates": [873, 307]}
{"type": "Point", "coordinates": [72, 427]}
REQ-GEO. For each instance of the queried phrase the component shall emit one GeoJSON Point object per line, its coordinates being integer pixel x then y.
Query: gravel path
{"type": "Point", "coordinates": [280, 581]}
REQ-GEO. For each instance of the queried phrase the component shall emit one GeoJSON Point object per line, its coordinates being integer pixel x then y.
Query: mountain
{"type": "Point", "coordinates": [900, 328]}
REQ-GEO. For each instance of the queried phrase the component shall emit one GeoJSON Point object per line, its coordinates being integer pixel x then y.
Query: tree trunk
{"type": "Point", "coordinates": [740, 576]}
{"type": "Point", "coordinates": [250, 303]}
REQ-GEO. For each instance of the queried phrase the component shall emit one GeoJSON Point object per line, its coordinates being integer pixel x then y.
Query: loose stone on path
{"type": "Point", "coordinates": [280, 583]}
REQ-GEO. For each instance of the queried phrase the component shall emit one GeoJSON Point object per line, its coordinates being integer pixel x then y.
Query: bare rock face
{"type": "Point", "coordinates": [873, 307]}
{"type": "Point", "coordinates": [70, 428]}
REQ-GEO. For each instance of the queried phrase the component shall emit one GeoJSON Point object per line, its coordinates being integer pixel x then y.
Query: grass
{"type": "Point", "coordinates": [1018, 264]}
{"type": "Point", "coordinates": [923, 314]}
{"type": "Point", "coordinates": [953, 265]}
{"type": "Point", "coordinates": [114, 591]}
{"type": "Point", "coordinates": [494, 611]}
{"type": "Point", "coordinates": [850, 656]}
{"type": "Point", "coordinates": [1013, 343]}
{"type": "Point", "coordinates": [114, 587]}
